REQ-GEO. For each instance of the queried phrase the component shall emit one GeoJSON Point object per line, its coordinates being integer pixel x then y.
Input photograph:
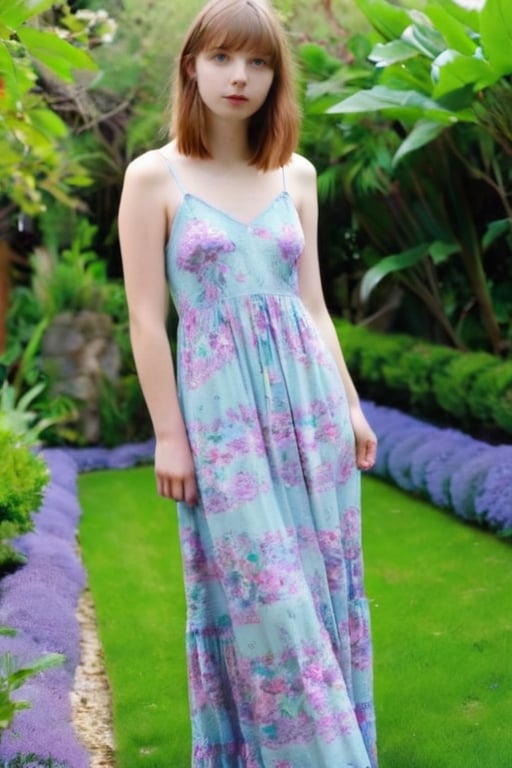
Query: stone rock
{"type": "Point", "coordinates": [79, 353]}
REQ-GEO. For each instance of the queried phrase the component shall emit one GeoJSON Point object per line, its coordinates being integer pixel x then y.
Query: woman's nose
{"type": "Point", "coordinates": [239, 73]}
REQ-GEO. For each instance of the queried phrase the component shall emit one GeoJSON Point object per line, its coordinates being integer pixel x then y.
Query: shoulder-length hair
{"type": "Point", "coordinates": [236, 25]}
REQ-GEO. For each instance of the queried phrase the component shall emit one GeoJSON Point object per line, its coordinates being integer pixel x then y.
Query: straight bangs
{"type": "Point", "coordinates": [236, 27]}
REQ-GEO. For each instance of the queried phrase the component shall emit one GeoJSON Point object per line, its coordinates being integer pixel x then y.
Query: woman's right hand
{"type": "Point", "coordinates": [174, 469]}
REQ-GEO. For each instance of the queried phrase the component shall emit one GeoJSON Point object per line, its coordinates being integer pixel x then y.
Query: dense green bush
{"type": "Point", "coordinates": [471, 391]}
{"type": "Point", "coordinates": [453, 382]}
{"type": "Point", "coordinates": [23, 477]}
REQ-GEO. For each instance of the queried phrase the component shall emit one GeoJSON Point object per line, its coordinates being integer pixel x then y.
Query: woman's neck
{"type": "Point", "coordinates": [228, 142]}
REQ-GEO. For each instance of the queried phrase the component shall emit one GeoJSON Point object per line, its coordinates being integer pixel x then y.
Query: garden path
{"type": "Point", "coordinates": [90, 698]}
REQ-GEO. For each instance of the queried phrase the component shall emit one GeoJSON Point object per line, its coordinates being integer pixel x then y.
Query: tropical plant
{"type": "Point", "coordinates": [442, 79]}
{"type": "Point", "coordinates": [28, 422]}
{"type": "Point", "coordinates": [72, 280]}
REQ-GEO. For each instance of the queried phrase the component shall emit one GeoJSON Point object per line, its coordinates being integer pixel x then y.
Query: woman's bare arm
{"type": "Point", "coordinates": [142, 234]}
{"type": "Point", "coordinates": [312, 295]}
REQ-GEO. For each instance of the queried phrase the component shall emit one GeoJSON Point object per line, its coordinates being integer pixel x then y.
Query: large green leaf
{"type": "Point", "coordinates": [387, 19]}
{"type": "Point", "coordinates": [390, 53]}
{"type": "Point", "coordinates": [470, 18]}
{"type": "Point", "coordinates": [411, 76]}
{"type": "Point", "coordinates": [48, 123]}
{"type": "Point", "coordinates": [13, 13]}
{"type": "Point", "coordinates": [397, 262]}
{"type": "Point", "coordinates": [425, 39]}
{"type": "Point", "coordinates": [408, 102]}
{"type": "Point", "coordinates": [457, 35]}
{"type": "Point", "coordinates": [440, 250]}
{"type": "Point", "coordinates": [452, 71]}
{"type": "Point", "coordinates": [496, 229]}
{"type": "Point", "coordinates": [496, 34]}
{"type": "Point", "coordinates": [423, 132]}
{"type": "Point", "coordinates": [56, 54]}
{"type": "Point", "coordinates": [18, 677]}
{"type": "Point", "coordinates": [390, 264]}
{"type": "Point", "coordinates": [7, 69]}
{"type": "Point", "coordinates": [17, 74]}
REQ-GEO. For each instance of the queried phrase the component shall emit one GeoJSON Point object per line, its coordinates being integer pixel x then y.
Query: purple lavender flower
{"type": "Point", "coordinates": [87, 459]}
{"type": "Point", "coordinates": [439, 472]}
{"type": "Point", "coordinates": [401, 455]}
{"type": "Point", "coordinates": [389, 425]}
{"type": "Point", "coordinates": [493, 501]}
{"type": "Point", "coordinates": [448, 466]}
{"type": "Point", "coordinates": [131, 454]}
{"type": "Point", "coordinates": [39, 601]}
{"type": "Point", "coordinates": [48, 734]}
{"type": "Point", "coordinates": [469, 478]}
{"type": "Point", "coordinates": [46, 617]}
{"type": "Point", "coordinates": [62, 465]}
{"type": "Point", "coordinates": [439, 445]}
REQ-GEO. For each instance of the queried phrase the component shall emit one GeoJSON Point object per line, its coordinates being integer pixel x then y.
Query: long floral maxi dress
{"type": "Point", "coordinates": [278, 637]}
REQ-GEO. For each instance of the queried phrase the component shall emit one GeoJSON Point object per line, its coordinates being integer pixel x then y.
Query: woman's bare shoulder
{"type": "Point", "coordinates": [302, 169]}
{"type": "Point", "coordinates": [148, 168]}
{"type": "Point", "coordinates": [301, 181]}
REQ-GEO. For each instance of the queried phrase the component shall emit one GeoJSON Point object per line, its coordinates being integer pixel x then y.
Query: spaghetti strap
{"type": "Point", "coordinates": [173, 173]}
{"type": "Point", "coordinates": [284, 179]}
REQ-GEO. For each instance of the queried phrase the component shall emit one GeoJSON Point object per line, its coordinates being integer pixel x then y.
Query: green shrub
{"type": "Point", "coordinates": [470, 391]}
{"type": "Point", "coordinates": [352, 339]}
{"type": "Point", "coordinates": [501, 400]}
{"type": "Point", "coordinates": [453, 383]}
{"type": "Point", "coordinates": [23, 477]}
{"type": "Point", "coordinates": [418, 366]}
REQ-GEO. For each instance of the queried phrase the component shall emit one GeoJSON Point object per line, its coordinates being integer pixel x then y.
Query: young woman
{"type": "Point", "coordinates": [261, 435]}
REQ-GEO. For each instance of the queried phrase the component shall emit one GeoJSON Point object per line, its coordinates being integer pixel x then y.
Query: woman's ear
{"type": "Point", "coordinates": [190, 67]}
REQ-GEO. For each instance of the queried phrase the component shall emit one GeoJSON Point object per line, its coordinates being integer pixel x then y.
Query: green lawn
{"type": "Point", "coordinates": [442, 623]}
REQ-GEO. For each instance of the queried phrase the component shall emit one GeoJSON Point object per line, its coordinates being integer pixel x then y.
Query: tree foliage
{"type": "Point", "coordinates": [31, 140]}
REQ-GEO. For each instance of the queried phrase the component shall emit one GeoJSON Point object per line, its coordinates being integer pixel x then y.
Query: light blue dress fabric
{"type": "Point", "coordinates": [278, 634]}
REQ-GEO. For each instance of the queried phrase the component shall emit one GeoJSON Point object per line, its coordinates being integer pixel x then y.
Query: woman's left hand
{"type": "Point", "coordinates": [366, 439]}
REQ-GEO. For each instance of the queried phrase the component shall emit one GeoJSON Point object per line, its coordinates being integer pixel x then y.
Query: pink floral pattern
{"type": "Point", "coordinates": [278, 632]}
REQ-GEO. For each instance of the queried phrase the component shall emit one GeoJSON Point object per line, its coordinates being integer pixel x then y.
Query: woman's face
{"type": "Point", "coordinates": [232, 84]}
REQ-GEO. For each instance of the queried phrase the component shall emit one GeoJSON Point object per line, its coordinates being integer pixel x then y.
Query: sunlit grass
{"type": "Point", "coordinates": [441, 597]}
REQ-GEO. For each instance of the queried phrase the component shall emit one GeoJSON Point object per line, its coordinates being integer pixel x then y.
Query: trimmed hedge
{"type": "Point", "coordinates": [471, 391]}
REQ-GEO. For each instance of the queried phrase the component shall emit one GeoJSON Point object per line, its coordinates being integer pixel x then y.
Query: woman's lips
{"type": "Point", "coordinates": [237, 99]}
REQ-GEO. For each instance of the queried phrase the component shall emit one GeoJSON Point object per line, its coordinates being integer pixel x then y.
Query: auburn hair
{"type": "Point", "coordinates": [235, 25]}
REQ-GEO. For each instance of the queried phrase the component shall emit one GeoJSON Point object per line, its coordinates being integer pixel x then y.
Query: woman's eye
{"type": "Point", "coordinates": [257, 62]}
{"type": "Point", "coordinates": [219, 56]}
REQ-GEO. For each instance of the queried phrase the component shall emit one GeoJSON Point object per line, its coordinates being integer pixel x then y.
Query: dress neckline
{"type": "Point", "coordinates": [191, 196]}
